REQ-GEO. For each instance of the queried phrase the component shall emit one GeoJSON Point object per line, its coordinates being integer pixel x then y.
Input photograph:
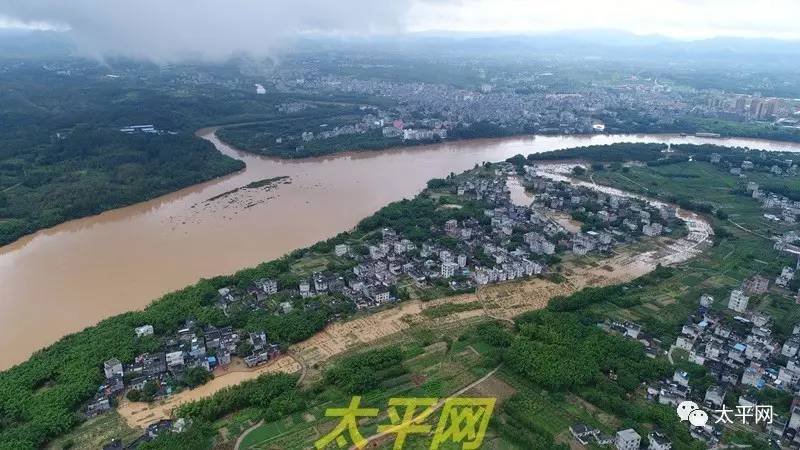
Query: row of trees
{"type": "Point", "coordinates": [360, 373]}
{"type": "Point", "coordinates": [652, 154]}
{"type": "Point", "coordinates": [269, 392]}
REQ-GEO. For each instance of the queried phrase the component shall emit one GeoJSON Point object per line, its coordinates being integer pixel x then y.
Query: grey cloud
{"type": "Point", "coordinates": [172, 30]}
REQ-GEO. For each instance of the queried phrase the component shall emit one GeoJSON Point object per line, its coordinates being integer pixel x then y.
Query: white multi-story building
{"type": "Point", "coordinates": [268, 286]}
{"type": "Point", "coordinates": [794, 420]}
{"type": "Point", "coordinates": [341, 249]}
{"type": "Point", "coordinates": [144, 330]}
{"type": "Point", "coordinates": [738, 301]}
{"type": "Point", "coordinates": [112, 368]}
{"type": "Point", "coordinates": [658, 441]}
{"type": "Point", "coordinates": [791, 346]}
{"type": "Point", "coordinates": [379, 295]}
{"type": "Point", "coordinates": [653, 229]}
{"type": "Point", "coordinates": [449, 269]}
{"type": "Point", "coordinates": [305, 289]}
{"type": "Point", "coordinates": [175, 359]}
{"type": "Point", "coordinates": [628, 440]}
{"type": "Point", "coordinates": [445, 256]}
{"type": "Point", "coordinates": [462, 261]}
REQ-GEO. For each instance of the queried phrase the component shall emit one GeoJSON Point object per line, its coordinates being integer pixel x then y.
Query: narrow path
{"type": "Point", "coordinates": [10, 187]}
{"type": "Point", "coordinates": [303, 373]}
{"type": "Point", "coordinates": [303, 366]}
{"type": "Point", "coordinates": [748, 230]}
{"type": "Point", "coordinates": [245, 433]}
{"type": "Point", "coordinates": [432, 409]}
{"type": "Point", "coordinates": [635, 183]}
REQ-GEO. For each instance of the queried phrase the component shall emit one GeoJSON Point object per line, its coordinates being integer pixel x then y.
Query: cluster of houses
{"type": "Point", "coordinates": [780, 207]}
{"type": "Point", "coordinates": [509, 241]}
{"type": "Point", "coordinates": [634, 331]}
{"type": "Point", "coordinates": [785, 168]}
{"type": "Point", "coordinates": [786, 279]}
{"type": "Point", "coordinates": [398, 129]}
{"type": "Point", "coordinates": [610, 217]}
{"type": "Point", "coordinates": [742, 354]}
{"type": "Point", "coordinates": [356, 128]}
{"type": "Point", "coordinates": [627, 439]}
{"type": "Point", "coordinates": [506, 241]}
{"type": "Point", "coordinates": [190, 347]}
{"type": "Point", "coordinates": [788, 243]}
{"type": "Point", "coordinates": [423, 134]}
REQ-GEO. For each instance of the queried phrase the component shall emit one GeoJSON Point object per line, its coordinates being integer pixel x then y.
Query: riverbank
{"type": "Point", "coordinates": [140, 415]}
{"type": "Point", "coordinates": [164, 244]}
{"type": "Point", "coordinates": [70, 368]}
{"type": "Point", "coordinates": [499, 301]}
{"type": "Point", "coordinates": [241, 135]}
{"type": "Point", "coordinates": [502, 301]}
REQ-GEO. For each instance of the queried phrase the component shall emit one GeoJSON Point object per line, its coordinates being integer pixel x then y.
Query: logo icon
{"type": "Point", "coordinates": [698, 418]}
{"type": "Point", "coordinates": [688, 410]}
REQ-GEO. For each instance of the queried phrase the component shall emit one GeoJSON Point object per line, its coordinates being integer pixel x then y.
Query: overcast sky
{"type": "Point", "coordinates": [213, 29]}
{"type": "Point", "coordinates": [683, 19]}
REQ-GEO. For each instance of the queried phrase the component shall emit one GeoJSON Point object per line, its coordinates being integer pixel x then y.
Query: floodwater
{"type": "Point", "coordinates": [63, 279]}
{"type": "Point", "coordinates": [519, 196]}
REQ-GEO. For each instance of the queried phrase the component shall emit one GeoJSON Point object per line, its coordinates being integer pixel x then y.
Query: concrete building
{"type": "Point", "coordinates": [144, 330]}
{"type": "Point", "coordinates": [342, 249]}
{"type": "Point", "coordinates": [658, 441]}
{"type": "Point", "coordinates": [756, 285]}
{"type": "Point", "coordinates": [715, 396]}
{"type": "Point", "coordinates": [794, 420]}
{"type": "Point", "coordinates": [627, 440]}
{"type": "Point", "coordinates": [706, 301]}
{"type": "Point", "coordinates": [738, 301]}
{"type": "Point", "coordinates": [653, 229]}
{"type": "Point", "coordinates": [449, 269]}
{"type": "Point", "coordinates": [267, 286]}
{"type": "Point", "coordinates": [112, 368]}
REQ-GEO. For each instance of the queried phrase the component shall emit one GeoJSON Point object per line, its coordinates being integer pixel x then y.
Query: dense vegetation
{"type": "Point", "coordinates": [362, 372]}
{"type": "Point", "coordinates": [92, 170]}
{"type": "Point", "coordinates": [41, 398]}
{"type": "Point", "coordinates": [557, 351]}
{"type": "Point", "coordinates": [62, 155]}
{"type": "Point", "coordinates": [275, 395]}
{"type": "Point", "coordinates": [262, 137]}
{"type": "Point", "coordinates": [566, 352]}
{"type": "Point", "coordinates": [656, 154]}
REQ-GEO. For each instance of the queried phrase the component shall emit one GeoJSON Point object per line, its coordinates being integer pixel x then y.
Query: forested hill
{"type": "Point", "coordinates": [63, 156]}
{"type": "Point", "coordinates": [90, 170]}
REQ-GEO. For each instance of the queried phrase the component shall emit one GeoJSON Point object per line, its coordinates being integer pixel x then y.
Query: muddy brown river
{"type": "Point", "coordinates": [63, 279]}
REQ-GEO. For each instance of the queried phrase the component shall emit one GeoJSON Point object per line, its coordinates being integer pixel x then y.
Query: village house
{"type": "Point", "coordinates": [627, 440]}
{"type": "Point", "coordinates": [738, 301]}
